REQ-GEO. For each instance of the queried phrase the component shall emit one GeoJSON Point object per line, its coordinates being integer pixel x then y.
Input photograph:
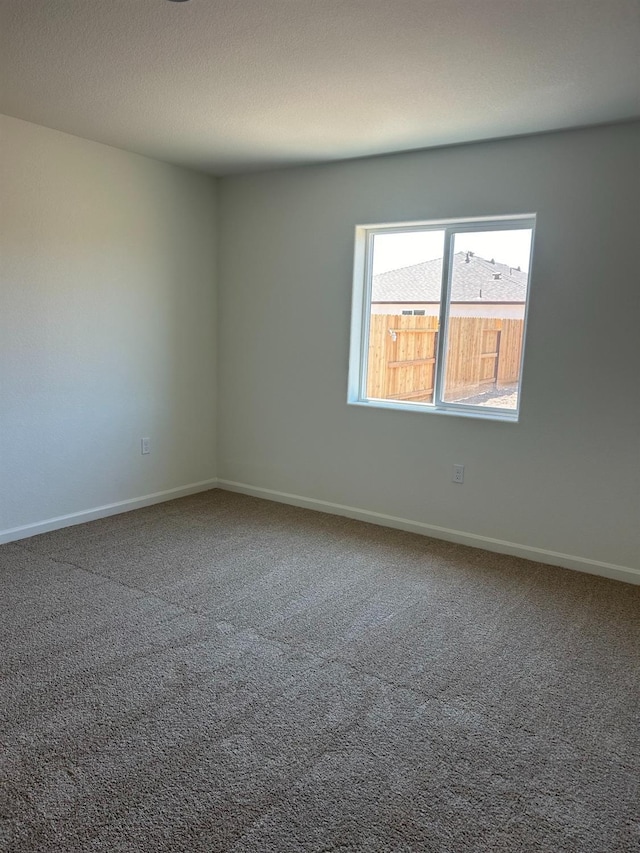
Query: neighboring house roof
{"type": "Point", "coordinates": [473, 280]}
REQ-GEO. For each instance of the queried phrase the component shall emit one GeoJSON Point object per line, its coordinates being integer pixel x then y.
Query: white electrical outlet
{"type": "Point", "coordinates": [458, 474]}
{"type": "Point", "coordinates": [145, 446]}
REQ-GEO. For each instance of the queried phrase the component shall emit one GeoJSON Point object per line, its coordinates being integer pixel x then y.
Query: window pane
{"type": "Point", "coordinates": [488, 296]}
{"type": "Point", "coordinates": [405, 309]}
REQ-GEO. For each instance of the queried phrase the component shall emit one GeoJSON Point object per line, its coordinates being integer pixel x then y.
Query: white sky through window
{"type": "Point", "coordinates": [403, 249]}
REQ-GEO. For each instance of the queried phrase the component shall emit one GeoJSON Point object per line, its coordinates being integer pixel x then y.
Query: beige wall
{"type": "Point", "coordinates": [107, 325]}
{"type": "Point", "coordinates": [566, 478]}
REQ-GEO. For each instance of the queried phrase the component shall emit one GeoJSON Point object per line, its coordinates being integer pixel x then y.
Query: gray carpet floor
{"type": "Point", "coordinates": [220, 673]}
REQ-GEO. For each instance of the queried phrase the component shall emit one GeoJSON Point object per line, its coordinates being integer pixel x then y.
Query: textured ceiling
{"type": "Point", "coordinates": [233, 85]}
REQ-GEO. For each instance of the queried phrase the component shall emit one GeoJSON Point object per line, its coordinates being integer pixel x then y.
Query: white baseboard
{"type": "Point", "coordinates": [15, 533]}
{"type": "Point", "coordinates": [540, 555]}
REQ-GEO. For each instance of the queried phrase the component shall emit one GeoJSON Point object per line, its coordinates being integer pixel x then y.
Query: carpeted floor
{"type": "Point", "coordinates": [221, 673]}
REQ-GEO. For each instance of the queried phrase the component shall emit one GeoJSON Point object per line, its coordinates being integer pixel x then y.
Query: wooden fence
{"type": "Point", "coordinates": [483, 352]}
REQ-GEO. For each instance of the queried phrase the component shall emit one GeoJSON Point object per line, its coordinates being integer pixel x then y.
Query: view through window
{"type": "Point", "coordinates": [439, 315]}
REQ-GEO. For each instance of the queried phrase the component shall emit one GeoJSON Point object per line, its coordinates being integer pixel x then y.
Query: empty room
{"type": "Point", "coordinates": [320, 426]}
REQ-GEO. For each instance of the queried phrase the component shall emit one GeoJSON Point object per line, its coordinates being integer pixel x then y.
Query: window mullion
{"type": "Point", "coordinates": [445, 291]}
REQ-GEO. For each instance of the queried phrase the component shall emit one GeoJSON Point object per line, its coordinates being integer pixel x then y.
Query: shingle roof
{"type": "Point", "coordinates": [473, 280]}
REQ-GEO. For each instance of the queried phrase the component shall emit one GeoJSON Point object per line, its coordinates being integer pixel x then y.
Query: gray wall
{"type": "Point", "coordinates": [107, 325]}
{"type": "Point", "coordinates": [108, 319]}
{"type": "Point", "coordinates": [566, 477]}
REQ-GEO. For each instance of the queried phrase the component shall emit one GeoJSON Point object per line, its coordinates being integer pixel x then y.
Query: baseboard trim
{"type": "Point", "coordinates": [27, 530]}
{"type": "Point", "coordinates": [500, 546]}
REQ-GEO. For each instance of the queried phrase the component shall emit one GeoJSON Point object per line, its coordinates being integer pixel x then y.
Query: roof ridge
{"type": "Point", "coordinates": [478, 280]}
{"type": "Point", "coordinates": [485, 261]}
{"type": "Point", "coordinates": [409, 266]}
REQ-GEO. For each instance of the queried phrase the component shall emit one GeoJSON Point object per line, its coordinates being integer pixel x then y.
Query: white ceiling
{"type": "Point", "coordinates": [234, 85]}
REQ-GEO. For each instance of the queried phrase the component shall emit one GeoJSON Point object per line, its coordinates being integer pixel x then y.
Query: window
{"type": "Point", "coordinates": [439, 315]}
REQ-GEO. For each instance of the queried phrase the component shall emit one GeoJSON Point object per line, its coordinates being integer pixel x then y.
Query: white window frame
{"type": "Point", "coordinates": [361, 312]}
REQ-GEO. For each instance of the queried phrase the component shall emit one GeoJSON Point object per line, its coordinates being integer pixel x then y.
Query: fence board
{"type": "Point", "coordinates": [482, 352]}
{"type": "Point", "coordinates": [511, 353]}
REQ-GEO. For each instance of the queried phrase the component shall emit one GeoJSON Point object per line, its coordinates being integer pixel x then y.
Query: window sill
{"type": "Point", "coordinates": [421, 408]}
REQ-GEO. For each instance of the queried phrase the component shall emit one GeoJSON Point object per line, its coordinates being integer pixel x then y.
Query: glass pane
{"type": "Point", "coordinates": [488, 296]}
{"type": "Point", "coordinates": [405, 310]}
